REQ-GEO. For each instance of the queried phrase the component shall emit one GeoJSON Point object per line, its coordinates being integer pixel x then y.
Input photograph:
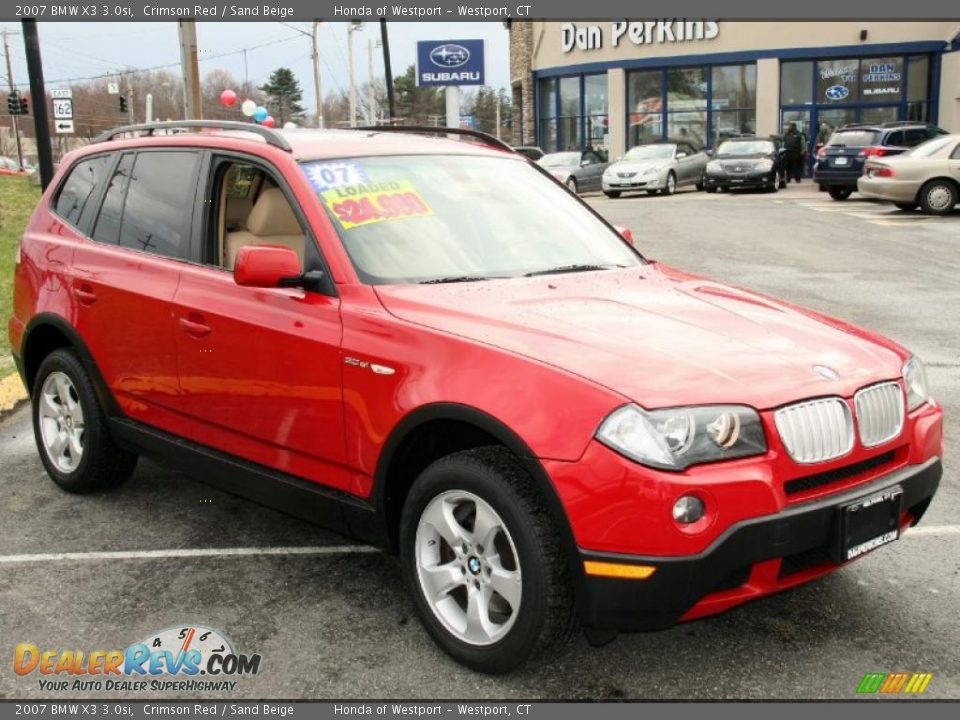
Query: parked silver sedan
{"type": "Point", "coordinates": [928, 176]}
{"type": "Point", "coordinates": [656, 168]}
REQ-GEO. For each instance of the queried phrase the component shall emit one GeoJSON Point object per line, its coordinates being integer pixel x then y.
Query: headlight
{"type": "Point", "coordinates": [915, 378]}
{"type": "Point", "coordinates": [765, 165]}
{"type": "Point", "coordinates": [677, 438]}
{"type": "Point", "coordinates": [653, 170]}
{"type": "Point", "coordinates": [714, 167]}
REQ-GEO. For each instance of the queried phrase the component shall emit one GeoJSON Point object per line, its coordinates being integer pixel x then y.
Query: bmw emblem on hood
{"type": "Point", "coordinates": [826, 373]}
{"type": "Point", "coordinates": [449, 56]}
{"type": "Point", "coordinates": [837, 92]}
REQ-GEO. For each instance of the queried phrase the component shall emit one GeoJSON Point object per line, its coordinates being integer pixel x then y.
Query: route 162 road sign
{"type": "Point", "coordinates": [62, 108]}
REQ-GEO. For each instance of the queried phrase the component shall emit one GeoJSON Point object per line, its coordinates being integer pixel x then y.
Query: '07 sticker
{"type": "Point", "coordinates": [359, 205]}
{"type": "Point", "coordinates": [326, 175]}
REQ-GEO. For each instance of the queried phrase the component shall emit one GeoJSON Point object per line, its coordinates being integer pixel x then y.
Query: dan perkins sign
{"type": "Point", "coordinates": [450, 62]}
{"type": "Point", "coordinates": [641, 32]}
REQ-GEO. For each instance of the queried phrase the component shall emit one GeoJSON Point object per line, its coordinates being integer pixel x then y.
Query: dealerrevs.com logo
{"type": "Point", "coordinates": [898, 683]}
{"type": "Point", "coordinates": [189, 658]}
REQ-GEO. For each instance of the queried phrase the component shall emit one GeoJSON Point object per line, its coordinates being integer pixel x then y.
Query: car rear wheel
{"type": "Point", "coordinates": [572, 185]}
{"type": "Point", "coordinates": [840, 193]}
{"type": "Point", "coordinates": [614, 194]}
{"type": "Point", "coordinates": [938, 197]}
{"type": "Point", "coordinates": [481, 556]}
{"type": "Point", "coordinates": [671, 187]}
{"type": "Point", "coordinates": [71, 430]}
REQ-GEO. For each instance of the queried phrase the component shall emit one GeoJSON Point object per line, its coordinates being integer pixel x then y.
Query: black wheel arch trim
{"type": "Point", "coordinates": [502, 433]}
{"type": "Point", "coordinates": [47, 319]}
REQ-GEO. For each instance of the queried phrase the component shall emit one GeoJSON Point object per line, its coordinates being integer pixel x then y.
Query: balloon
{"type": "Point", "coordinates": [260, 114]}
{"type": "Point", "coordinates": [228, 98]}
{"type": "Point", "coordinates": [289, 125]}
{"type": "Point", "coordinates": [248, 107]}
{"type": "Point", "coordinates": [269, 122]}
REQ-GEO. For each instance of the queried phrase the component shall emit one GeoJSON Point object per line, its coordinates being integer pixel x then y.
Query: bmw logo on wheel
{"type": "Point", "coordinates": [449, 56]}
{"type": "Point", "coordinates": [837, 92]}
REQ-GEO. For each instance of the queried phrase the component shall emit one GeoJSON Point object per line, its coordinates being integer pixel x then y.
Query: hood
{"type": "Point", "coordinates": [748, 161]}
{"type": "Point", "coordinates": [635, 166]}
{"type": "Point", "coordinates": [656, 336]}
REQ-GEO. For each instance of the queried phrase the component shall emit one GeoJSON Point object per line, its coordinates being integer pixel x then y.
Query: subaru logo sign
{"type": "Point", "coordinates": [837, 92]}
{"type": "Point", "coordinates": [445, 63]}
{"type": "Point", "coordinates": [449, 56]}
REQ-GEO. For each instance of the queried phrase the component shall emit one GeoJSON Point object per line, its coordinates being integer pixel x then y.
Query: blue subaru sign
{"type": "Point", "coordinates": [449, 62]}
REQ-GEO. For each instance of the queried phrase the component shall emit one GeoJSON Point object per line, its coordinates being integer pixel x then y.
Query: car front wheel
{"type": "Point", "coordinates": [482, 559]}
{"type": "Point", "coordinates": [938, 197]}
{"type": "Point", "coordinates": [613, 194]}
{"type": "Point", "coordinates": [71, 430]}
{"type": "Point", "coordinates": [671, 187]}
{"type": "Point", "coordinates": [572, 185]}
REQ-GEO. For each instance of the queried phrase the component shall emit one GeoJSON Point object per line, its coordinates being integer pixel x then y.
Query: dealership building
{"type": "Point", "coordinates": [611, 85]}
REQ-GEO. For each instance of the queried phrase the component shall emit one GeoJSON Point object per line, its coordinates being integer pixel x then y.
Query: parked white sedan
{"type": "Point", "coordinates": [656, 168]}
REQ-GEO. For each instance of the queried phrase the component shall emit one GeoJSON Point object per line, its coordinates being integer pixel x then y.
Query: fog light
{"type": "Point", "coordinates": [688, 509]}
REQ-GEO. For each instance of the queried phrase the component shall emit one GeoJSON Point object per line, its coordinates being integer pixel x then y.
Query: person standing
{"type": "Point", "coordinates": [793, 144]}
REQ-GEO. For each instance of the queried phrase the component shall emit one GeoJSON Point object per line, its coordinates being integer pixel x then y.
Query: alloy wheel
{"type": "Point", "coordinates": [939, 198]}
{"type": "Point", "coordinates": [468, 567]}
{"type": "Point", "coordinates": [61, 422]}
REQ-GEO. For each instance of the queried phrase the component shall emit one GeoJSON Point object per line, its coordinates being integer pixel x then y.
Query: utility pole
{"type": "Point", "coordinates": [371, 100]}
{"type": "Point", "coordinates": [148, 108]}
{"type": "Point", "coordinates": [387, 73]}
{"type": "Point", "coordinates": [193, 106]}
{"type": "Point", "coordinates": [316, 75]}
{"type": "Point", "coordinates": [131, 117]}
{"type": "Point", "coordinates": [14, 120]}
{"type": "Point", "coordinates": [39, 96]}
{"type": "Point", "coordinates": [351, 29]}
{"type": "Point", "coordinates": [497, 98]}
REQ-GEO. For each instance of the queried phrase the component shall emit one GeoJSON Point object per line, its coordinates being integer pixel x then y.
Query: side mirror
{"type": "Point", "coordinates": [267, 266]}
{"type": "Point", "coordinates": [585, 163]}
{"type": "Point", "coordinates": [708, 153]}
{"type": "Point", "coordinates": [681, 155]}
{"type": "Point", "coordinates": [627, 234]}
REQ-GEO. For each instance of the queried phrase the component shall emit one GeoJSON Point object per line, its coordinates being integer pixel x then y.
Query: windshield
{"type": "Point", "coordinates": [930, 147]}
{"type": "Point", "coordinates": [560, 160]}
{"type": "Point", "coordinates": [746, 147]}
{"type": "Point", "coordinates": [854, 138]}
{"type": "Point", "coordinates": [407, 219]}
{"type": "Point", "coordinates": [650, 152]}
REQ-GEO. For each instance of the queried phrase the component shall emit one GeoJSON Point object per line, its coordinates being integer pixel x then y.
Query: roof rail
{"type": "Point", "coordinates": [904, 123]}
{"type": "Point", "coordinates": [430, 130]}
{"type": "Point", "coordinates": [271, 136]}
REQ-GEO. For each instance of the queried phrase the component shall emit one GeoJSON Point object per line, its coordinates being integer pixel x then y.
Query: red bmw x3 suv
{"type": "Point", "coordinates": [432, 346]}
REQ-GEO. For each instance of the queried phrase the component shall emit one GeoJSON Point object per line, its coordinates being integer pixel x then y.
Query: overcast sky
{"type": "Point", "coordinates": [77, 50]}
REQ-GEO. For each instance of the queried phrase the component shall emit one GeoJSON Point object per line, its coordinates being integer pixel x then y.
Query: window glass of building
{"type": "Point", "coordinates": [570, 113]}
{"type": "Point", "coordinates": [596, 122]}
{"type": "Point", "coordinates": [156, 215]}
{"type": "Point", "coordinates": [838, 82]}
{"type": "Point", "coordinates": [644, 107]}
{"type": "Point", "coordinates": [881, 79]}
{"type": "Point", "coordinates": [548, 115]}
{"type": "Point", "coordinates": [76, 190]}
{"type": "Point", "coordinates": [796, 83]}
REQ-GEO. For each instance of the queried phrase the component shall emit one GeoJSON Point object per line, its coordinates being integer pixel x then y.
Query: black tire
{"type": "Point", "coordinates": [653, 192]}
{"type": "Point", "coordinates": [906, 207]}
{"type": "Point", "coordinates": [710, 189]}
{"type": "Point", "coordinates": [699, 186]}
{"type": "Point", "coordinates": [938, 197]}
{"type": "Point", "coordinates": [572, 185]}
{"type": "Point", "coordinates": [840, 193]}
{"type": "Point", "coordinates": [102, 465]}
{"type": "Point", "coordinates": [612, 194]}
{"type": "Point", "coordinates": [783, 182]}
{"type": "Point", "coordinates": [546, 616]}
{"type": "Point", "coordinates": [774, 183]}
{"type": "Point", "coordinates": [671, 187]}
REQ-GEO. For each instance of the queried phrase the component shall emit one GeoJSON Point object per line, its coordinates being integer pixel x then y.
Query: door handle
{"type": "Point", "coordinates": [85, 295]}
{"type": "Point", "coordinates": [194, 327]}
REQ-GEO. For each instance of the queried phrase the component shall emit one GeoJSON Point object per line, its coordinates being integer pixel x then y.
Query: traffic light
{"type": "Point", "coordinates": [24, 107]}
{"type": "Point", "coordinates": [123, 104]}
{"type": "Point", "coordinates": [13, 103]}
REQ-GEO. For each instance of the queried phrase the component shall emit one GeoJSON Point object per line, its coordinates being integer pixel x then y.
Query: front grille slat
{"type": "Point", "coordinates": [816, 430]}
{"type": "Point", "coordinates": [812, 482]}
{"type": "Point", "coordinates": [880, 413]}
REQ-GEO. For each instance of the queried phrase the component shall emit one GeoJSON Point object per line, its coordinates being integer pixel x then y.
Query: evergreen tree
{"type": "Point", "coordinates": [283, 96]}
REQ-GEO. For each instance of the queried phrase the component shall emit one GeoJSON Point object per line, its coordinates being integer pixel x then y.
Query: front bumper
{"type": "Point", "coordinates": [638, 182]}
{"type": "Point", "coordinates": [740, 180]}
{"type": "Point", "coordinates": [752, 558]}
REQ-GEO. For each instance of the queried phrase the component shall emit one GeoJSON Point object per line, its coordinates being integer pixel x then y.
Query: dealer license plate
{"type": "Point", "coordinates": [841, 161]}
{"type": "Point", "coordinates": [870, 522]}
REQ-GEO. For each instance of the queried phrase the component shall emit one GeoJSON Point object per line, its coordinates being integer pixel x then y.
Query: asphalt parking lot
{"type": "Point", "coordinates": [332, 620]}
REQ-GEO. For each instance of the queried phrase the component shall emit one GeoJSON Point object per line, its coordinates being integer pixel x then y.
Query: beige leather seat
{"type": "Point", "coordinates": [271, 222]}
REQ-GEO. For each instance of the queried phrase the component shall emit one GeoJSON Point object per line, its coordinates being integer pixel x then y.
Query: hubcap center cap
{"type": "Point", "coordinates": [473, 565]}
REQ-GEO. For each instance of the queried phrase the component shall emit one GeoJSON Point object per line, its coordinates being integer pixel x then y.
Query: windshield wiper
{"type": "Point", "coordinates": [571, 269]}
{"type": "Point", "coordinates": [456, 279]}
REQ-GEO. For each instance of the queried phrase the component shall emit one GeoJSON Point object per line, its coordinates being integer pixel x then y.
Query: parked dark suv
{"type": "Point", "coordinates": [840, 162]}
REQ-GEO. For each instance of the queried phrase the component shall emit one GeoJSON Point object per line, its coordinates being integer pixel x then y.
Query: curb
{"type": "Point", "coordinates": [12, 394]}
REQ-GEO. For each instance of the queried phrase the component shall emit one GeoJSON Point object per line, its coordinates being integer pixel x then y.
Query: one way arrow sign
{"type": "Point", "coordinates": [64, 127]}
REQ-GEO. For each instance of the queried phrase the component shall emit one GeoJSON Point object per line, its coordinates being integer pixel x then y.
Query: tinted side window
{"type": "Point", "coordinates": [107, 229]}
{"type": "Point", "coordinates": [157, 213]}
{"type": "Point", "coordinates": [895, 138]}
{"type": "Point", "coordinates": [915, 137]}
{"type": "Point", "coordinates": [956, 153]}
{"type": "Point", "coordinates": [79, 186]}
